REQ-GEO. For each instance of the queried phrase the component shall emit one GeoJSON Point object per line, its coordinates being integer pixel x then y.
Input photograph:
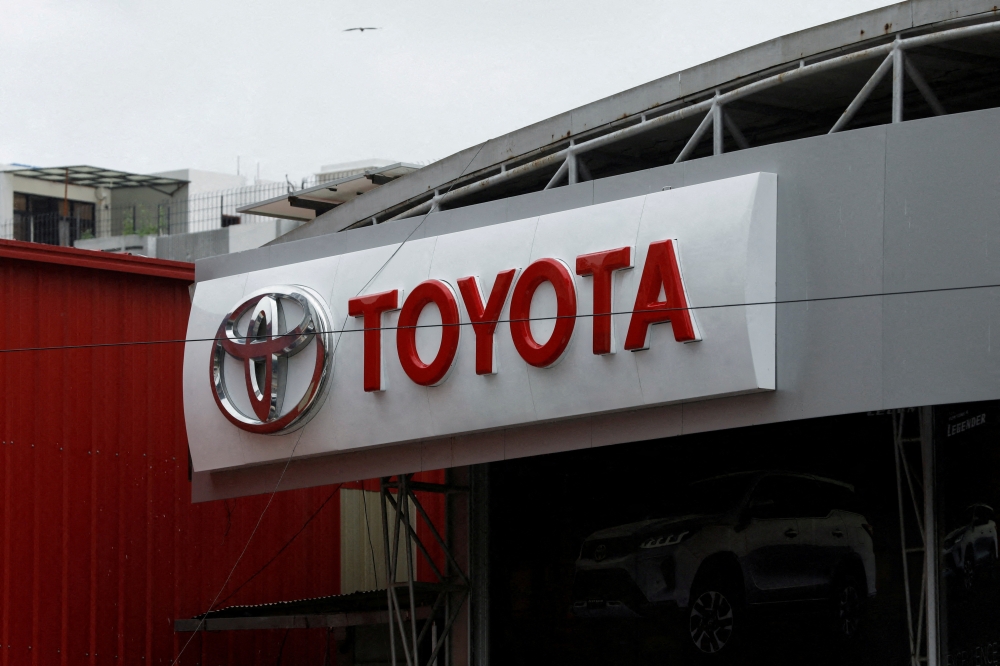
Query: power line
{"type": "Point", "coordinates": [368, 529]}
{"type": "Point", "coordinates": [284, 547]}
{"type": "Point", "coordinates": [791, 301]}
{"type": "Point", "coordinates": [290, 455]}
{"type": "Point", "coordinates": [242, 553]}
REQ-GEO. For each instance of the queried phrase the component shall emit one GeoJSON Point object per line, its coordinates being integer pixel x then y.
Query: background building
{"type": "Point", "coordinates": [181, 215]}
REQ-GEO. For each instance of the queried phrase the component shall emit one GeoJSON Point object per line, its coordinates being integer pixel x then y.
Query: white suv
{"type": "Point", "coordinates": [735, 542]}
{"type": "Point", "coordinates": [972, 548]}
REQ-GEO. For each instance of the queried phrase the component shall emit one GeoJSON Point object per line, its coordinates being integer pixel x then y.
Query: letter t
{"type": "Point", "coordinates": [371, 308]}
{"type": "Point", "coordinates": [602, 265]}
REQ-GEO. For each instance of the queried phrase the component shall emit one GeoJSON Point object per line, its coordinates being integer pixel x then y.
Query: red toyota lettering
{"type": "Point", "coordinates": [440, 294]}
{"type": "Point", "coordinates": [484, 318]}
{"type": "Point", "coordinates": [557, 273]}
{"type": "Point", "coordinates": [371, 307]}
{"type": "Point", "coordinates": [661, 270]}
{"type": "Point", "coordinates": [602, 265]}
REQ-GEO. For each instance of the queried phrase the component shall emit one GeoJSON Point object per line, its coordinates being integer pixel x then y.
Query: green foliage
{"type": "Point", "coordinates": [142, 221]}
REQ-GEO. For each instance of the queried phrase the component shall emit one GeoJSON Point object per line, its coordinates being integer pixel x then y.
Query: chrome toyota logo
{"type": "Point", "coordinates": [264, 348]}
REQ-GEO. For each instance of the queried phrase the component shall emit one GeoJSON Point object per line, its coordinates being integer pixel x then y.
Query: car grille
{"type": "Point", "coordinates": [607, 585]}
{"type": "Point", "coordinates": [612, 547]}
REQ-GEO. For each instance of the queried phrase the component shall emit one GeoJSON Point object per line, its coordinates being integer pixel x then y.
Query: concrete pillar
{"type": "Point", "coordinates": [102, 212]}
{"type": "Point", "coordinates": [6, 205]}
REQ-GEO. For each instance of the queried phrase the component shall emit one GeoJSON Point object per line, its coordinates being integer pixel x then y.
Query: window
{"type": "Point", "coordinates": [797, 497]}
{"type": "Point", "coordinates": [776, 497]}
{"type": "Point", "coordinates": [982, 516]}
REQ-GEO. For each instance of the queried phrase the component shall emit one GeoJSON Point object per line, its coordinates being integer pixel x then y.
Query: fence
{"type": "Point", "coordinates": [145, 212]}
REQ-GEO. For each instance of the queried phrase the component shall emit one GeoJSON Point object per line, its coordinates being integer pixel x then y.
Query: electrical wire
{"type": "Point", "coordinates": [281, 648]}
{"type": "Point", "coordinates": [791, 301]}
{"type": "Point", "coordinates": [290, 456]}
{"type": "Point", "coordinates": [284, 547]}
{"type": "Point", "coordinates": [364, 499]}
{"type": "Point", "coordinates": [240, 558]}
{"type": "Point", "coordinates": [368, 529]}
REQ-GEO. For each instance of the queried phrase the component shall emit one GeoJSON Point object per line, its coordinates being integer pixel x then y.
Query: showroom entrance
{"type": "Point", "coordinates": [776, 543]}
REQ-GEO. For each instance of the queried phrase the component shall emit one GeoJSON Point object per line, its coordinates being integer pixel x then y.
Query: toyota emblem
{"type": "Point", "coordinates": [600, 552]}
{"type": "Point", "coordinates": [264, 348]}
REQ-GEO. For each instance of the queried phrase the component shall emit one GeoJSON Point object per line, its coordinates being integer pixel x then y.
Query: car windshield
{"type": "Point", "coordinates": [711, 495]}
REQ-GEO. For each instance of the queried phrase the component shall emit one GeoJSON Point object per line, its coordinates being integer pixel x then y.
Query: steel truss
{"type": "Point", "coordinates": [912, 428]}
{"type": "Point", "coordinates": [571, 167]}
{"type": "Point", "coordinates": [452, 585]}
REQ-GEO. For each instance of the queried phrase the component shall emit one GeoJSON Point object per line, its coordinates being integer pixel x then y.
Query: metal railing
{"type": "Point", "coordinates": [571, 168]}
{"type": "Point", "coordinates": [48, 228]}
{"type": "Point", "coordinates": [137, 213]}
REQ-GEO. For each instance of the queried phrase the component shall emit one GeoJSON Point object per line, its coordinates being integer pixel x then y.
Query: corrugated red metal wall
{"type": "Point", "coordinates": [101, 548]}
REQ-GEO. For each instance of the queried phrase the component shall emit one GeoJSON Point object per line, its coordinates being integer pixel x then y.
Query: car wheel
{"type": "Point", "coordinates": [714, 619]}
{"type": "Point", "coordinates": [848, 604]}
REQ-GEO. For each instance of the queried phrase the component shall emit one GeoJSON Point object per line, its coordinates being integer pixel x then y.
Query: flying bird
{"type": "Point", "coordinates": [359, 29]}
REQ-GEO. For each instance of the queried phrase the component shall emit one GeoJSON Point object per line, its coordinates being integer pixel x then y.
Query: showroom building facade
{"type": "Point", "coordinates": [699, 378]}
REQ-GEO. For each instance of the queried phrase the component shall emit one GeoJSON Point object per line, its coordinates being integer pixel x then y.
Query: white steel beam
{"type": "Point", "coordinates": [862, 96]}
{"type": "Point", "coordinates": [795, 72]}
{"type": "Point", "coordinates": [734, 130]}
{"type": "Point", "coordinates": [696, 137]}
{"type": "Point", "coordinates": [897, 83]}
{"type": "Point", "coordinates": [921, 83]}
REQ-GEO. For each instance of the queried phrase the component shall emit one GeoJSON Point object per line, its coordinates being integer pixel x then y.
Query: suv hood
{"type": "Point", "coordinates": [654, 526]}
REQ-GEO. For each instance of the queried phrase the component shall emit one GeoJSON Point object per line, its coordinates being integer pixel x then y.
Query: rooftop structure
{"type": "Point", "coordinates": [328, 193]}
{"type": "Point", "coordinates": [909, 60]}
{"type": "Point", "coordinates": [336, 171]}
{"type": "Point", "coordinates": [91, 176]}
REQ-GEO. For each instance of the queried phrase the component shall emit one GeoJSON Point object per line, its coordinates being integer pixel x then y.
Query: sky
{"type": "Point", "coordinates": [281, 87]}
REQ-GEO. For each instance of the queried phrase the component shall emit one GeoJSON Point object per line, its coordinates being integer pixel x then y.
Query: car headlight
{"type": "Point", "coordinates": [661, 540]}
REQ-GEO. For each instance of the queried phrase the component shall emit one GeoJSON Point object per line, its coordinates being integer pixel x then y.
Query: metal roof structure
{"type": "Point", "coordinates": [343, 610]}
{"type": "Point", "coordinates": [910, 60]}
{"type": "Point", "coordinates": [307, 203]}
{"type": "Point", "coordinates": [91, 176]}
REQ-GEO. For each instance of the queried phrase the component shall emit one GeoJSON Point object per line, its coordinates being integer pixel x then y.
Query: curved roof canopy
{"type": "Point", "coordinates": [829, 78]}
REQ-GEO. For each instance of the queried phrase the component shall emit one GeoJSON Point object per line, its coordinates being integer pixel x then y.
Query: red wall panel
{"type": "Point", "coordinates": [101, 547]}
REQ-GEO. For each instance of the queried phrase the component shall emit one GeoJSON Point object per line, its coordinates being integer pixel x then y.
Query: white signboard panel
{"type": "Point", "coordinates": [279, 359]}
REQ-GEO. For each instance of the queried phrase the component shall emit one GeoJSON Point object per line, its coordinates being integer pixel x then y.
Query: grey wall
{"type": "Point", "coordinates": [214, 242]}
{"type": "Point", "coordinates": [888, 288]}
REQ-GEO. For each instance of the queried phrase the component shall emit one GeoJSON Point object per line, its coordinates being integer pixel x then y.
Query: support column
{"type": "Point", "coordinates": [930, 532]}
{"type": "Point", "coordinates": [459, 649]}
{"type": "Point", "coordinates": [897, 84]}
{"type": "Point", "coordinates": [717, 128]}
{"type": "Point", "coordinates": [7, 224]}
{"type": "Point", "coordinates": [479, 542]}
